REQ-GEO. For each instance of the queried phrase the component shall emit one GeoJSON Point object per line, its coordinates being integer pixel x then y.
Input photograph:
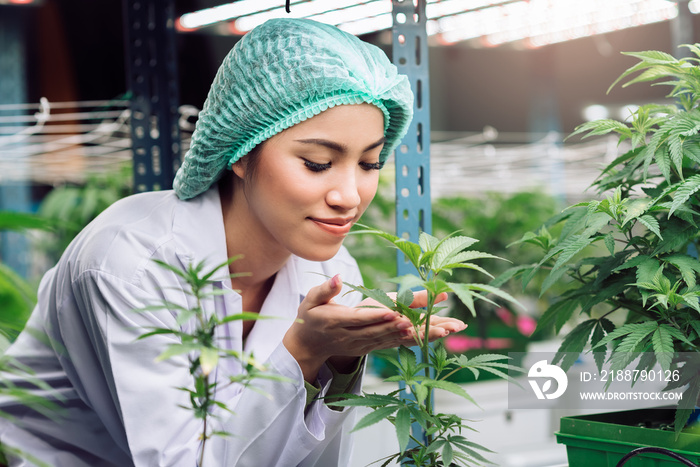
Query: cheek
{"type": "Point", "coordinates": [368, 188]}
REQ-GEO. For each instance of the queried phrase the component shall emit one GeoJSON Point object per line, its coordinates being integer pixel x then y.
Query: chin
{"type": "Point", "coordinates": [318, 253]}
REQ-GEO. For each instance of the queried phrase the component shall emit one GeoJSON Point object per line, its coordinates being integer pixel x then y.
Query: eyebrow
{"type": "Point", "coordinates": [337, 147]}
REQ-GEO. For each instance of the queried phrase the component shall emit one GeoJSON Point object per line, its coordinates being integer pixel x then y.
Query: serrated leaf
{"type": "Point", "coordinates": [367, 400]}
{"type": "Point", "coordinates": [557, 314]}
{"type": "Point", "coordinates": [448, 248]}
{"type": "Point", "coordinates": [451, 387]}
{"type": "Point", "coordinates": [402, 423]}
{"type": "Point", "coordinates": [609, 241]}
{"type": "Point", "coordinates": [465, 295]}
{"type": "Point", "coordinates": [375, 416]}
{"type": "Point", "coordinates": [691, 149]}
{"type": "Point", "coordinates": [420, 392]}
{"type": "Point", "coordinates": [663, 161]}
{"type": "Point", "coordinates": [427, 242]}
{"type": "Point", "coordinates": [684, 192]}
{"type": "Point", "coordinates": [603, 327]}
{"type": "Point", "coordinates": [687, 404]}
{"type": "Point", "coordinates": [553, 278]}
{"type": "Point", "coordinates": [489, 290]}
{"type": "Point", "coordinates": [645, 327]}
{"type": "Point", "coordinates": [377, 295]}
{"type": "Point", "coordinates": [651, 223]}
{"type": "Point", "coordinates": [447, 454]}
{"type": "Point", "coordinates": [410, 249]}
{"type": "Point", "coordinates": [662, 343]}
{"type": "Point", "coordinates": [408, 281]}
{"type": "Point", "coordinates": [601, 127]}
{"type": "Point", "coordinates": [571, 247]}
{"type": "Point", "coordinates": [573, 344]}
{"type": "Point", "coordinates": [405, 296]}
{"type": "Point", "coordinates": [687, 266]}
{"type": "Point", "coordinates": [435, 446]}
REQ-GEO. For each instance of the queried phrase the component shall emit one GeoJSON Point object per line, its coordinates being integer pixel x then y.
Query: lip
{"type": "Point", "coordinates": [336, 226]}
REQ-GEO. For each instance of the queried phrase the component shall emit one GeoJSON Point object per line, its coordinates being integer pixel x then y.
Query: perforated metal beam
{"type": "Point", "coordinates": [153, 84]}
{"type": "Point", "coordinates": [412, 158]}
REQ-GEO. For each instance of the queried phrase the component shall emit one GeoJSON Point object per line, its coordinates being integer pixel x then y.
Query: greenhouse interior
{"type": "Point", "coordinates": [522, 289]}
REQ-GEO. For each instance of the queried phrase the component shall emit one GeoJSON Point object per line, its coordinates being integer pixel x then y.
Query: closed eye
{"type": "Point", "coordinates": [371, 165]}
{"type": "Point", "coordinates": [316, 167]}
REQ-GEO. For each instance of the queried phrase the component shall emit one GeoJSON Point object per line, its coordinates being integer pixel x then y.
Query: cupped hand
{"type": "Point", "coordinates": [341, 334]}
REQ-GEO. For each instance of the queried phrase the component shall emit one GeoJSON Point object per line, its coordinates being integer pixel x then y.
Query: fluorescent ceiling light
{"type": "Point", "coordinates": [538, 22]}
{"type": "Point", "coordinates": [227, 12]}
{"type": "Point", "coordinates": [343, 11]}
{"type": "Point", "coordinates": [367, 25]}
{"type": "Point", "coordinates": [547, 21]}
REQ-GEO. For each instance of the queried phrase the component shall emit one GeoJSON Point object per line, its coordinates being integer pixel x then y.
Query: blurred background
{"type": "Point", "coordinates": [509, 80]}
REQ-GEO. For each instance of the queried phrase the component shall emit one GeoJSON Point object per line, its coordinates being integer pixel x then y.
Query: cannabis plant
{"type": "Point", "coordinates": [203, 348]}
{"type": "Point", "coordinates": [630, 255]}
{"type": "Point", "coordinates": [443, 443]}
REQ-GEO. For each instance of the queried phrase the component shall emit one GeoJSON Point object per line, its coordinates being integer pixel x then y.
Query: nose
{"type": "Point", "coordinates": [344, 194]}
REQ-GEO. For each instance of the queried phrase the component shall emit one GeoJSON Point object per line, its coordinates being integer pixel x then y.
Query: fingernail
{"type": "Point", "coordinates": [406, 333]}
{"type": "Point", "coordinates": [390, 316]}
{"type": "Point", "coordinates": [336, 281]}
{"type": "Point", "coordinates": [403, 325]}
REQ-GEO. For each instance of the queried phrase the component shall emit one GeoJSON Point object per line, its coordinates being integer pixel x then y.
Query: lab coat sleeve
{"type": "Point", "coordinates": [277, 432]}
{"type": "Point", "coordinates": [268, 425]}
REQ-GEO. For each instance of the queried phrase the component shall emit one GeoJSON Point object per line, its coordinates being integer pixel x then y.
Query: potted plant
{"type": "Point", "coordinates": [630, 255]}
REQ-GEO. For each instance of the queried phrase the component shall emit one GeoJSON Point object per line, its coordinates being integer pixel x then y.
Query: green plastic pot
{"type": "Point", "coordinates": [602, 440]}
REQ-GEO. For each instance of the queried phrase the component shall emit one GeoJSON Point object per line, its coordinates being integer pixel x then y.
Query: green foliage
{"type": "Point", "coordinates": [72, 207]}
{"type": "Point", "coordinates": [17, 296]}
{"type": "Point", "coordinates": [435, 261]}
{"type": "Point", "coordinates": [17, 299]}
{"type": "Point", "coordinates": [201, 346]}
{"type": "Point", "coordinates": [629, 252]}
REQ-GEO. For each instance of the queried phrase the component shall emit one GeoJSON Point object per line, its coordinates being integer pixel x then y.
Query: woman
{"type": "Point", "coordinates": [304, 116]}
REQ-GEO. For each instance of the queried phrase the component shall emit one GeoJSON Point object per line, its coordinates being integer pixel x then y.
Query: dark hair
{"type": "Point", "coordinates": [251, 161]}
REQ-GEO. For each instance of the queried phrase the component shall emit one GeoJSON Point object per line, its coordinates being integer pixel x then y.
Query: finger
{"type": "Point", "coordinates": [363, 317]}
{"type": "Point", "coordinates": [324, 293]}
{"type": "Point", "coordinates": [448, 324]}
{"type": "Point", "coordinates": [420, 299]}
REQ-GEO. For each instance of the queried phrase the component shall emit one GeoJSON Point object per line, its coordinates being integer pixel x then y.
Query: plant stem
{"type": "Point", "coordinates": [425, 350]}
{"type": "Point", "coordinates": [204, 428]}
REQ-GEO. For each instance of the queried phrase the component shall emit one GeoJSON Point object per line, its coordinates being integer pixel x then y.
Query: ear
{"type": "Point", "coordinates": [238, 168]}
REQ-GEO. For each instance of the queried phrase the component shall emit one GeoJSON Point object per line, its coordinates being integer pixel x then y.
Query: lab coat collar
{"type": "Point", "coordinates": [198, 227]}
{"type": "Point", "coordinates": [280, 306]}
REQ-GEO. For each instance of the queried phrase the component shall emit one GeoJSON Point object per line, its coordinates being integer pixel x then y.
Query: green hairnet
{"type": "Point", "coordinates": [282, 73]}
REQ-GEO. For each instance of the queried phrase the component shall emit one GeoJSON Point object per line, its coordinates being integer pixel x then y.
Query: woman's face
{"type": "Point", "coordinates": [313, 181]}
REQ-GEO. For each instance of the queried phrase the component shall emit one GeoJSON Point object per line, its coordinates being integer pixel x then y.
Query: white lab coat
{"type": "Point", "coordinates": [120, 406]}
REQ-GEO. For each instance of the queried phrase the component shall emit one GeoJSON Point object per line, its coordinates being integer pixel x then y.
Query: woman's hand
{"type": "Point", "coordinates": [342, 334]}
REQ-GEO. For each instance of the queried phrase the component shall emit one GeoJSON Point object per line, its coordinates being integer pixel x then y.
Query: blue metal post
{"type": "Point", "coordinates": [15, 194]}
{"type": "Point", "coordinates": [152, 79]}
{"type": "Point", "coordinates": [412, 158]}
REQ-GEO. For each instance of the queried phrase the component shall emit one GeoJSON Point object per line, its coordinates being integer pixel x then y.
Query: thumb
{"type": "Point", "coordinates": [324, 293]}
